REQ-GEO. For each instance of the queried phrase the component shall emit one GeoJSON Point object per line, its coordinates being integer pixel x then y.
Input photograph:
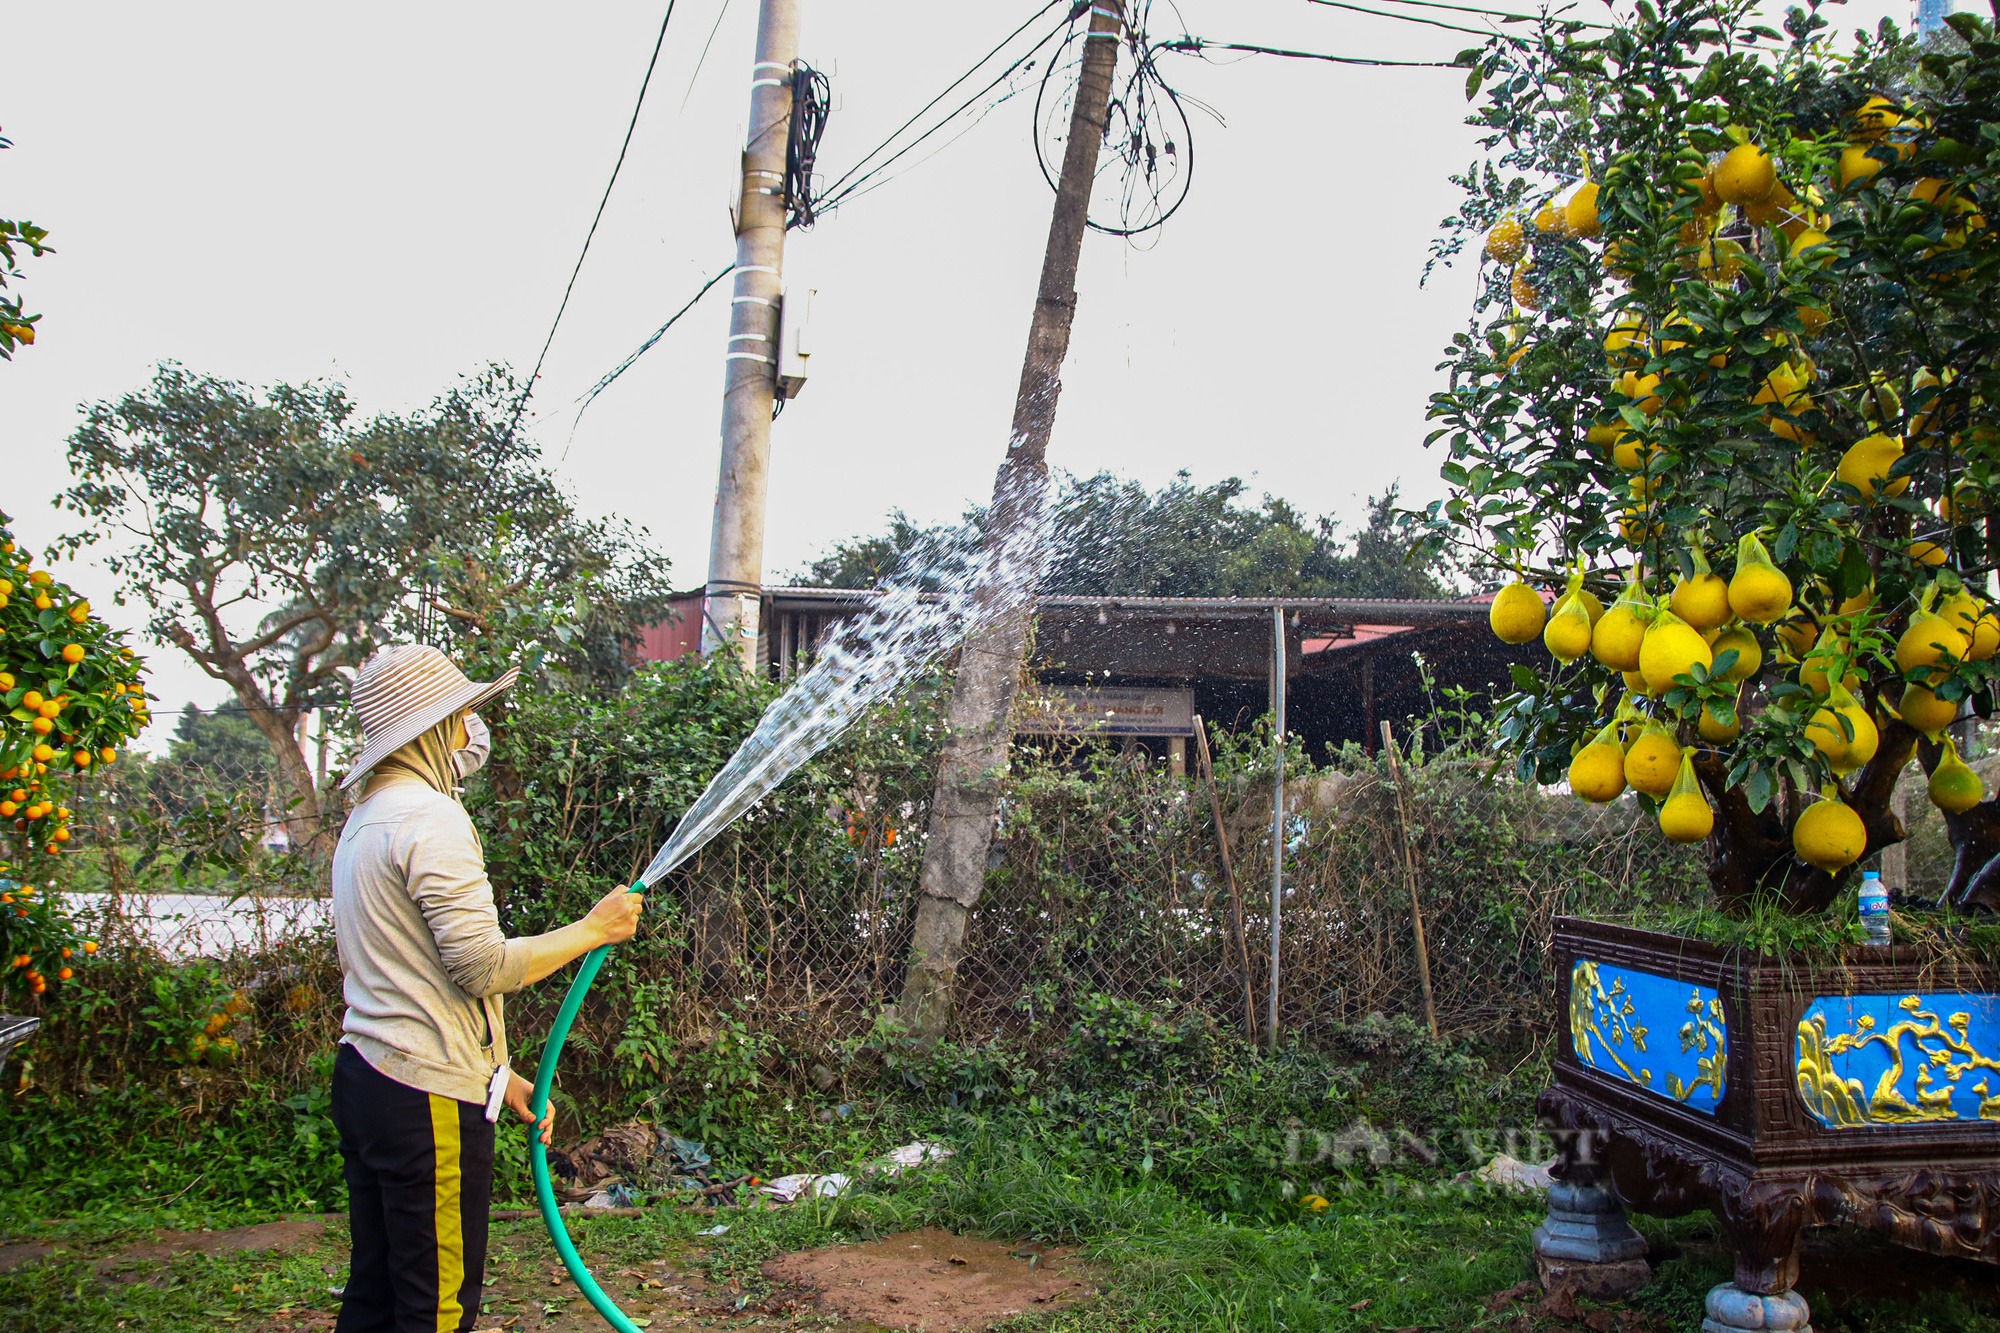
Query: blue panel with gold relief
{"type": "Point", "coordinates": [1867, 1060]}
{"type": "Point", "coordinates": [1667, 1036]}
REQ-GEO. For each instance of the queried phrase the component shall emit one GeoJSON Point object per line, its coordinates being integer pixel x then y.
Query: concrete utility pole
{"type": "Point", "coordinates": [732, 600]}
{"type": "Point", "coordinates": [982, 702]}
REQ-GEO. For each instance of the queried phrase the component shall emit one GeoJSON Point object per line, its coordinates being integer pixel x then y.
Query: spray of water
{"type": "Point", "coordinates": [868, 657]}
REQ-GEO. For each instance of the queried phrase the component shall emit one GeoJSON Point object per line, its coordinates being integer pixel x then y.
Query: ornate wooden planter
{"type": "Point", "coordinates": [1780, 1095]}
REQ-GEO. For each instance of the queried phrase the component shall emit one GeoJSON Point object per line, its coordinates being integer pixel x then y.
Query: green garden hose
{"type": "Point", "coordinates": [538, 1155]}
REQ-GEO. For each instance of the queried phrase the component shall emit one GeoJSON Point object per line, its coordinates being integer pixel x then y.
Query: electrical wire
{"type": "Point", "coordinates": [720, 15]}
{"type": "Point", "coordinates": [1196, 45]}
{"type": "Point", "coordinates": [521, 403]}
{"type": "Point", "coordinates": [1151, 164]}
{"type": "Point", "coordinates": [812, 99]}
{"type": "Point", "coordinates": [647, 346]}
{"type": "Point", "coordinates": [866, 158]}
{"type": "Point", "coordinates": [1406, 18]}
{"type": "Point", "coordinates": [1490, 13]}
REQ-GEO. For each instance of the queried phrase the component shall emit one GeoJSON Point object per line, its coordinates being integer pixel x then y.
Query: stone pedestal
{"type": "Point", "coordinates": [1730, 1309]}
{"type": "Point", "coordinates": [1587, 1245]}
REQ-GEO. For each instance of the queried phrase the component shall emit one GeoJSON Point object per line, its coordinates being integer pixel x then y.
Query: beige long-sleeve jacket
{"type": "Point", "coordinates": [423, 960]}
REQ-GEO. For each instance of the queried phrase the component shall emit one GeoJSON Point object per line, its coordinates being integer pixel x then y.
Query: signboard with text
{"type": "Point", "coordinates": [1110, 710]}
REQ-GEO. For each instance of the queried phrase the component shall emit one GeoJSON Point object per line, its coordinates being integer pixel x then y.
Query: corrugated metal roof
{"type": "Point", "coordinates": [1408, 612]}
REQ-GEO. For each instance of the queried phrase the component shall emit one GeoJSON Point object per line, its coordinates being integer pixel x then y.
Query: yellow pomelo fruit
{"type": "Point", "coordinates": [1643, 389]}
{"type": "Point", "coordinates": [1928, 553]}
{"type": "Point", "coordinates": [1507, 242]}
{"type": "Point", "coordinates": [1517, 613]}
{"type": "Point", "coordinates": [1867, 738]}
{"type": "Point", "coordinates": [1580, 213]}
{"type": "Point", "coordinates": [1926, 712]}
{"type": "Point", "coordinates": [1813, 319]}
{"type": "Point", "coordinates": [1636, 683]}
{"type": "Point", "coordinates": [1749, 653]}
{"type": "Point", "coordinates": [1812, 672]}
{"type": "Point", "coordinates": [1962, 610]}
{"type": "Point", "coordinates": [1605, 437]}
{"type": "Point", "coordinates": [1721, 260]}
{"type": "Point", "coordinates": [1598, 773]}
{"type": "Point", "coordinates": [1702, 601]}
{"type": "Point", "coordinates": [1927, 640]}
{"type": "Point", "coordinates": [1798, 635]}
{"type": "Point", "coordinates": [1823, 729]}
{"type": "Point", "coordinates": [1711, 730]}
{"type": "Point", "coordinates": [1954, 787]}
{"type": "Point", "coordinates": [1874, 118]}
{"type": "Point", "coordinates": [1686, 817]}
{"type": "Point", "coordinates": [1626, 344]}
{"type": "Point", "coordinates": [1861, 601]}
{"type": "Point", "coordinates": [1616, 640]}
{"type": "Point", "coordinates": [1652, 764]}
{"type": "Point", "coordinates": [1591, 606]}
{"type": "Point", "coordinates": [1865, 466]}
{"type": "Point", "coordinates": [1526, 295]}
{"type": "Point", "coordinates": [1567, 636]}
{"type": "Point", "coordinates": [1551, 221]}
{"type": "Point", "coordinates": [1985, 638]}
{"type": "Point", "coordinates": [1773, 208]}
{"type": "Point", "coordinates": [1744, 175]}
{"type": "Point", "coordinates": [1630, 452]}
{"type": "Point", "coordinates": [1856, 166]}
{"type": "Point", "coordinates": [1760, 593]}
{"type": "Point", "coordinates": [1671, 649]}
{"type": "Point", "coordinates": [1829, 835]}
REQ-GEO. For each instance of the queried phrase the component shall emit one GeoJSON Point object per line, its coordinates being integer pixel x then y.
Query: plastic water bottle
{"type": "Point", "coordinates": [1874, 907]}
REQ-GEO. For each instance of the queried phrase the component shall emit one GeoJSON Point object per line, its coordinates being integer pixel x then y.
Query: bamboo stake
{"type": "Point", "coordinates": [1228, 877]}
{"type": "Point", "coordinates": [1410, 875]}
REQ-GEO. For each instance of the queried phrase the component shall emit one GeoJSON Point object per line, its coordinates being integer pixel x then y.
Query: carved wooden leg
{"type": "Point", "coordinates": [1764, 1222]}
{"type": "Point", "coordinates": [1586, 1243]}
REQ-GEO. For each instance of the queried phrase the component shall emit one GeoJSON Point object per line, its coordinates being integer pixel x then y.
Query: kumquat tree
{"type": "Point", "coordinates": [1731, 397]}
{"type": "Point", "coordinates": [72, 697]}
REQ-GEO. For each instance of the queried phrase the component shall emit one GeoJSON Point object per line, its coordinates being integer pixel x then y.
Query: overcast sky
{"type": "Point", "coordinates": [392, 195]}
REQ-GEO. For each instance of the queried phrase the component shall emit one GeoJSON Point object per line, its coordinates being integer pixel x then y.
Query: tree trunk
{"type": "Point", "coordinates": [1753, 852]}
{"type": "Point", "coordinates": [304, 819]}
{"type": "Point", "coordinates": [980, 723]}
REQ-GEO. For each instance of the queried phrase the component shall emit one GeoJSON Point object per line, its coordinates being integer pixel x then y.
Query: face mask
{"type": "Point", "coordinates": [478, 744]}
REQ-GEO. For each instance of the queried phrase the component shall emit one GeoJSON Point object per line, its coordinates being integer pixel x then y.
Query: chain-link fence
{"type": "Point", "coordinates": [1106, 878]}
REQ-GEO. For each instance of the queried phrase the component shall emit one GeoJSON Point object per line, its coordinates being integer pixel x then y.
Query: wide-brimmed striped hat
{"type": "Point", "coordinates": [403, 691]}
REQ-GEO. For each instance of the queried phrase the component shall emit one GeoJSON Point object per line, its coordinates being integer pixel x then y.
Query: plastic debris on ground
{"type": "Point", "coordinates": [785, 1189]}
{"type": "Point", "coordinates": [714, 1231]}
{"type": "Point", "coordinates": [1506, 1173]}
{"type": "Point", "coordinates": [909, 1155]}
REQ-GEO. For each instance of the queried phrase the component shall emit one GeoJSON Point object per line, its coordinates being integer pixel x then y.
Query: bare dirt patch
{"type": "Point", "coordinates": [932, 1281]}
{"type": "Point", "coordinates": [263, 1236]}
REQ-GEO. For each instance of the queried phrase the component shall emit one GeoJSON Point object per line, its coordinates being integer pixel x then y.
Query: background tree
{"type": "Point", "coordinates": [278, 538]}
{"type": "Point", "coordinates": [1113, 537]}
{"type": "Point", "coordinates": [18, 240]}
{"type": "Point", "coordinates": [1763, 312]}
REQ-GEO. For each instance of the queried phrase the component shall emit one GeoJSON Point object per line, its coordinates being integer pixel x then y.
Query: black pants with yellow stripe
{"type": "Point", "coordinates": [419, 1179]}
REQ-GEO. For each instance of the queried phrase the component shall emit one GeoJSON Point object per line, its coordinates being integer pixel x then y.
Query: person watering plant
{"type": "Point", "coordinates": [421, 1072]}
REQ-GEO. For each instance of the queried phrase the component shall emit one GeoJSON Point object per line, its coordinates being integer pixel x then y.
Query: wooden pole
{"type": "Point", "coordinates": [1410, 875]}
{"type": "Point", "coordinates": [1228, 876]}
{"type": "Point", "coordinates": [1277, 815]}
{"type": "Point", "coordinates": [978, 722]}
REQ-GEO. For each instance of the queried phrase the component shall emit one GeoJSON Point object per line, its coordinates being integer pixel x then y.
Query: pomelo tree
{"type": "Point", "coordinates": [70, 700]}
{"type": "Point", "coordinates": [1730, 398]}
